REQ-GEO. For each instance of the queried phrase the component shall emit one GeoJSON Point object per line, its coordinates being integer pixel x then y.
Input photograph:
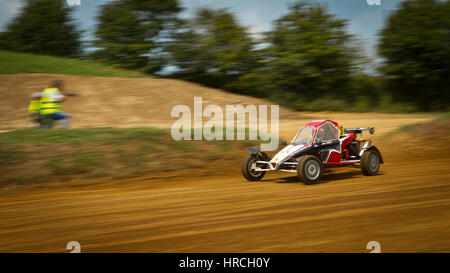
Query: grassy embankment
{"type": "Point", "coordinates": [34, 155]}
{"type": "Point", "coordinates": [14, 62]}
{"type": "Point", "coordinates": [31, 155]}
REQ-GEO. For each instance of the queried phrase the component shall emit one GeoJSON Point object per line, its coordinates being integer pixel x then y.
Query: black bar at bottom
{"type": "Point", "coordinates": [222, 262]}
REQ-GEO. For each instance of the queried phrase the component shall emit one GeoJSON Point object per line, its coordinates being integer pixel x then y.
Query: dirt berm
{"type": "Point", "coordinates": [112, 101]}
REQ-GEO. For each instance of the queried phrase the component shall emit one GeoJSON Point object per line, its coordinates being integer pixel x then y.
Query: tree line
{"type": "Point", "coordinates": [307, 61]}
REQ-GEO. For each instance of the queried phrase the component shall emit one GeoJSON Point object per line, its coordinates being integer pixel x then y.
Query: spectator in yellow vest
{"type": "Point", "coordinates": [51, 104]}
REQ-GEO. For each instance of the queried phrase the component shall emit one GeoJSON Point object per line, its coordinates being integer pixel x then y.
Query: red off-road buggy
{"type": "Point", "coordinates": [318, 145]}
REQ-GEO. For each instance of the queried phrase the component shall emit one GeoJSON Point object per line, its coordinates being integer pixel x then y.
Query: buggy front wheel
{"type": "Point", "coordinates": [248, 166]}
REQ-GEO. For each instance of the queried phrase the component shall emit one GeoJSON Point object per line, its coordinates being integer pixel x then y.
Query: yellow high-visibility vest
{"type": "Point", "coordinates": [35, 106]}
{"type": "Point", "coordinates": [47, 104]}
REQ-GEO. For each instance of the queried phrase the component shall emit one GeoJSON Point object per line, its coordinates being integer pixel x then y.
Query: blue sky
{"type": "Point", "coordinates": [365, 20]}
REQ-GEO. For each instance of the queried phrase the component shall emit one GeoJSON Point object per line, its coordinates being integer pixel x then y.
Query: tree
{"type": "Point", "coordinates": [415, 45]}
{"type": "Point", "coordinates": [129, 32]}
{"type": "Point", "coordinates": [309, 56]}
{"type": "Point", "coordinates": [213, 49]}
{"type": "Point", "coordinates": [43, 27]}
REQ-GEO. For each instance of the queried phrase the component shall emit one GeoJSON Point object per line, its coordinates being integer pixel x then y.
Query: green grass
{"type": "Point", "coordinates": [409, 127]}
{"type": "Point", "coordinates": [15, 62]}
{"type": "Point", "coordinates": [444, 115]}
{"type": "Point", "coordinates": [105, 135]}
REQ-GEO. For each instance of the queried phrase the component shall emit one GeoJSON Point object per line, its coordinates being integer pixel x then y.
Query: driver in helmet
{"type": "Point", "coordinates": [320, 135]}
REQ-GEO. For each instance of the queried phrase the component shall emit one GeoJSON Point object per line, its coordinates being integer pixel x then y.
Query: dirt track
{"type": "Point", "coordinates": [406, 208]}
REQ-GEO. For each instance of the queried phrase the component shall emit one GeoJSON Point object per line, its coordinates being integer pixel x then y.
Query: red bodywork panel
{"type": "Point", "coordinates": [336, 157]}
{"type": "Point", "coordinates": [349, 139]}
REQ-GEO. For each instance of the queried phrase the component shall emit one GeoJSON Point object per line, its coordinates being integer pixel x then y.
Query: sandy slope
{"type": "Point", "coordinates": [112, 101]}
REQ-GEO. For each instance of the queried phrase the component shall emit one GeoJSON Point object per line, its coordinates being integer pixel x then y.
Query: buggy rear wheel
{"type": "Point", "coordinates": [310, 169]}
{"type": "Point", "coordinates": [247, 168]}
{"type": "Point", "coordinates": [370, 162]}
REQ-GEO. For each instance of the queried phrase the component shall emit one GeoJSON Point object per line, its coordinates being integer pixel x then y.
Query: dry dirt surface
{"type": "Point", "coordinates": [112, 101]}
{"type": "Point", "coordinates": [406, 208]}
